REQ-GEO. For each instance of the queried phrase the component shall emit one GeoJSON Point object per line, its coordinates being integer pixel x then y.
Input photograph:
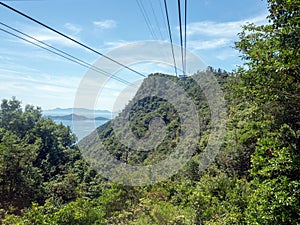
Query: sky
{"type": "Point", "coordinates": [41, 78]}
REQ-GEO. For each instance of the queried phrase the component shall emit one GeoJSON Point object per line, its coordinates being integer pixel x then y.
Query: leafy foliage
{"type": "Point", "coordinates": [38, 159]}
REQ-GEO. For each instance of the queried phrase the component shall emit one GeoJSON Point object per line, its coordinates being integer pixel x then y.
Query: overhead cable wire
{"type": "Point", "coordinates": [62, 54]}
{"type": "Point", "coordinates": [185, 23]}
{"type": "Point", "coordinates": [71, 39]}
{"type": "Point", "coordinates": [156, 20]}
{"type": "Point", "coordinates": [180, 34]}
{"type": "Point", "coordinates": [146, 18]}
{"type": "Point", "coordinates": [170, 36]}
{"type": "Point", "coordinates": [163, 18]}
{"type": "Point", "coordinates": [97, 69]}
{"type": "Point", "coordinates": [163, 14]}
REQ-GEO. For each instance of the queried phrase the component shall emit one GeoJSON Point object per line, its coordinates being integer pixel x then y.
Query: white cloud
{"type": "Point", "coordinates": [73, 28]}
{"type": "Point", "coordinates": [48, 91]}
{"type": "Point", "coordinates": [54, 89]}
{"type": "Point", "coordinates": [211, 28]}
{"type": "Point", "coordinates": [209, 44]}
{"type": "Point", "coordinates": [46, 35]}
{"type": "Point", "coordinates": [211, 35]}
{"type": "Point", "coordinates": [116, 44]}
{"type": "Point", "coordinates": [105, 24]}
{"type": "Point", "coordinates": [226, 54]}
{"type": "Point", "coordinates": [53, 38]}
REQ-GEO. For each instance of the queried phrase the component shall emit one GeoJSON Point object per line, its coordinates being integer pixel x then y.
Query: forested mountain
{"type": "Point", "coordinates": [44, 179]}
{"type": "Point", "coordinates": [145, 106]}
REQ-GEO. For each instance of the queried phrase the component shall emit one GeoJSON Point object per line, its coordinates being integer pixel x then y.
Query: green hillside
{"type": "Point", "coordinates": [141, 112]}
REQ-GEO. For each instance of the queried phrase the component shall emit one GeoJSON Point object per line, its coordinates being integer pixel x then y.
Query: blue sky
{"type": "Point", "coordinates": [40, 78]}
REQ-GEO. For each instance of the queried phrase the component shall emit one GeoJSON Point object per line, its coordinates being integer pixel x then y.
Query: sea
{"type": "Point", "coordinates": [80, 128]}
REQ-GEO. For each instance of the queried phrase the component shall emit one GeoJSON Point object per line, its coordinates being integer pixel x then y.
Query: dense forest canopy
{"type": "Point", "coordinates": [44, 179]}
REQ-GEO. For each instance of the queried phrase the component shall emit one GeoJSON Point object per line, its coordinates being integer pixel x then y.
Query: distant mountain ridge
{"type": "Point", "coordinates": [78, 114]}
{"type": "Point", "coordinates": [71, 110]}
{"type": "Point", "coordinates": [75, 117]}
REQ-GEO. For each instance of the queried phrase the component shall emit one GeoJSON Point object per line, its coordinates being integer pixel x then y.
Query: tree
{"type": "Point", "coordinates": [21, 182]}
{"type": "Point", "coordinates": [272, 57]}
{"type": "Point", "coordinates": [275, 171]}
{"type": "Point", "coordinates": [17, 121]}
{"type": "Point", "coordinates": [271, 82]}
{"type": "Point", "coordinates": [38, 159]}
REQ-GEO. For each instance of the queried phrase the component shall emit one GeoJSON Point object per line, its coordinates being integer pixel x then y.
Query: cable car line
{"type": "Point", "coordinates": [69, 38]}
{"type": "Point", "coordinates": [163, 14]}
{"type": "Point", "coordinates": [185, 22]}
{"type": "Point", "coordinates": [180, 34]}
{"type": "Point", "coordinates": [170, 36]}
{"type": "Point", "coordinates": [156, 21]}
{"type": "Point", "coordinates": [146, 18]}
{"type": "Point", "coordinates": [62, 54]}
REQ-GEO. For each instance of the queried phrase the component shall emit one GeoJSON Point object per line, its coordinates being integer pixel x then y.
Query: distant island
{"type": "Point", "coordinates": [75, 117]}
{"type": "Point", "coordinates": [67, 111]}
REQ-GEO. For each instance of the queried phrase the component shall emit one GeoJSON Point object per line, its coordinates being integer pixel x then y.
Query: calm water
{"type": "Point", "coordinates": [83, 128]}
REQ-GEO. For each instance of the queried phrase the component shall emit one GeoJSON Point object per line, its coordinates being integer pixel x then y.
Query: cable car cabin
{"type": "Point", "coordinates": [183, 77]}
